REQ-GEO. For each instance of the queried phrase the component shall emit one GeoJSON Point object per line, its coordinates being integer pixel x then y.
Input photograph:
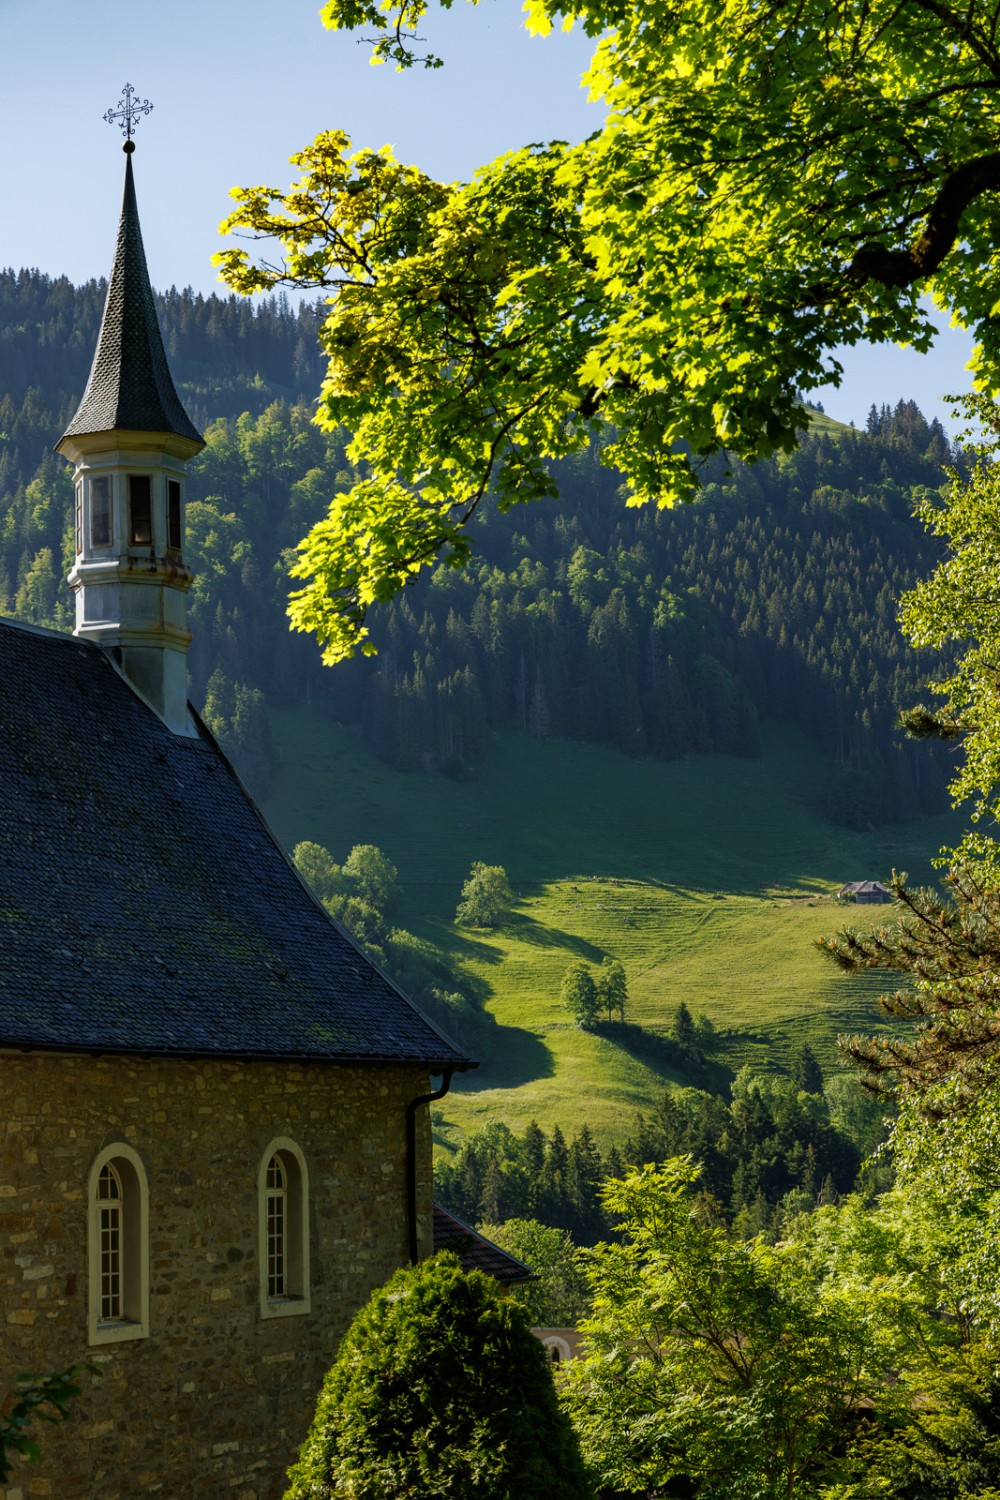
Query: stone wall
{"type": "Point", "coordinates": [217, 1399]}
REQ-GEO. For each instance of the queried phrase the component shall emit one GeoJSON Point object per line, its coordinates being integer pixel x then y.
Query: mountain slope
{"type": "Point", "coordinates": [708, 878]}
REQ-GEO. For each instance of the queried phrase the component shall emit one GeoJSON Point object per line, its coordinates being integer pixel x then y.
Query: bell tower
{"type": "Point", "coordinates": [130, 442]}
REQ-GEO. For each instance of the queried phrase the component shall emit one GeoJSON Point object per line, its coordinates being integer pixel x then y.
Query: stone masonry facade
{"type": "Point", "coordinates": [216, 1400]}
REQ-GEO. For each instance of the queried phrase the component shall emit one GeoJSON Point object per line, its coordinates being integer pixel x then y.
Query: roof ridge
{"type": "Point", "coordinates": [44, 630]}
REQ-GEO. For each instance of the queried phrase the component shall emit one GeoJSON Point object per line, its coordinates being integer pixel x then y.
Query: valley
{"type": "Point", "coordinates": [708, 878]}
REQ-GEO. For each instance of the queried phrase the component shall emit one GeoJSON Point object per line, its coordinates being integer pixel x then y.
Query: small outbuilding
{"type": "Point", "coordinates": [865, 893]}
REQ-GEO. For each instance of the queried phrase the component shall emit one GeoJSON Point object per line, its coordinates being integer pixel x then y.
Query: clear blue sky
{"type": "Point", "coordinates": [237, 87]}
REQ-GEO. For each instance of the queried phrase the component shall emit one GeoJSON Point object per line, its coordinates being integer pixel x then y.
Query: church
{"type": "Point", "coordinates": [216, 1134]}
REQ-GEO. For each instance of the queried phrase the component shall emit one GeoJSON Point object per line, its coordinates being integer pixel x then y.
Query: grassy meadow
{"type": "Point", "coordinates": [708, 878]}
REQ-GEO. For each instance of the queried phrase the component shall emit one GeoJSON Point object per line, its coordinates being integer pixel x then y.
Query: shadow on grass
{"type": "Point", "coordinates": [467, 944]}
{"type": "Point", "coordinates": [472, 944]}
{"type": "Point", "coordinates": [515, 1056]}
{"type": "Point", "coordinates": [541, 935]}
{"type": "Point", "coordinates": [664, 1055]}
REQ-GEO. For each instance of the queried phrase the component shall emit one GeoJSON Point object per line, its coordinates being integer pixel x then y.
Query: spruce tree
{"type": "Point", "coordinates": [806, 1071]}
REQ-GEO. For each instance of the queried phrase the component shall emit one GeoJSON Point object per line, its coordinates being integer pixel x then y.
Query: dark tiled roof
{"type": "Point", "coordinates": [476, 1252]}
{"type": "Point", "coordinates": [144, 906]}
{"type": "Point", "coordinates": [130, 384]}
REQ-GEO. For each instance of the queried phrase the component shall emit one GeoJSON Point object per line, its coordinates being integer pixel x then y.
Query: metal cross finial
{"type": "Point", "coordinates": [127, 112]}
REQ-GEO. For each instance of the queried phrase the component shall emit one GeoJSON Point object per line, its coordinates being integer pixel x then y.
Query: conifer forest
{"type": "Point", "coordinates": [663, 634]}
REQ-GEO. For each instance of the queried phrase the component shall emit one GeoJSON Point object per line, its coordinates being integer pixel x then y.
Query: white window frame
{"type": "Point", "coordinates": [295, 1299]}
{"type": "Point", "coordinates": [134, 1216]}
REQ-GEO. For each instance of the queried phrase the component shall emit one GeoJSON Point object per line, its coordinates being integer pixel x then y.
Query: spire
{"type": "Point", "coordinates": [129, 443]}
{"type": "Point", "coordinates": [130, 385]}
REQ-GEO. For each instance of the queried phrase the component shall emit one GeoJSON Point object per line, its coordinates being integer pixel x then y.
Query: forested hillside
{"type": "Point", "coordinates": [661, 634]}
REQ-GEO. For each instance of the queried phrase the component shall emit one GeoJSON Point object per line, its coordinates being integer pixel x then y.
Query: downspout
{"type": "Point", "coordinates": [411, 1159]}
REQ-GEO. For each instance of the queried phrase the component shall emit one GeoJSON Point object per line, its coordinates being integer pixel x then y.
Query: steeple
{"type": "Point", "coordinates": [130, 441]}
{"type": "Point", "coordinates": [130, 385]}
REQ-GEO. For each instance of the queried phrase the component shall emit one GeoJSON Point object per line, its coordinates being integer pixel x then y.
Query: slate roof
{"type": "Point", "coordinates": [130, 385]}
{"type": "Point", "coordinates": [476, 1252]}
{"type": "Point", "coordinates": [144, 905]}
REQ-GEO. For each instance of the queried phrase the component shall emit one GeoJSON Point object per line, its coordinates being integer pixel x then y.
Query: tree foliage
{"type": "Point", "coordinates": [361, 894]}
{"type": "Point", "coordinates": [769, 181]}
{"type": "Point", "coordinates": [237, 716]}
{"type": "Point", "coordinates": [375, 875]}
{"type": "Point", "coordinates": [660, 634]}
{"type": "Point", "coordinates": [579, 994]}
{"type": "Point", "coordinates": [713, 1366]}
{"type": "Point", "coordinates": [960, 605]}
{"type": "Point", "coordinates": [559, 1297]}
{"type": "Point", "coordinates": [806, 1071]}
{"type": "Point", "coordinates": [948, 948]}
{"type": "Point", "coordinates": [672, 634]}
{"type": "Point", "coordinates": [486, 896]}
{"type": "Point", "coordinates": [44, 1397]}
{"type": "Point", "coordinates": [853, 1360]}
{"type": "Point", "coordinates": [612, 987]}
{"type": "Point", "coordinates": [769, 1152]}
{"type": "Point", "coordinates": [439, 1389]}
{"type": "Point", "coordinates": [948, 1193]}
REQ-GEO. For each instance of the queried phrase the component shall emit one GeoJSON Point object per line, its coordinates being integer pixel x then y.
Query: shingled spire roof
{"type": "Point", "coordinates": [130, 385]}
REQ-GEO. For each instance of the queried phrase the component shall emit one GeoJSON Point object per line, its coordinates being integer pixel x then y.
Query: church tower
{"type": "Point", "coordinates": [130, 442]}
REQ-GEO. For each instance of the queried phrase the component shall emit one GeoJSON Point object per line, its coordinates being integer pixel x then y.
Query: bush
{"type": "Point", "coordinates": [440, 1389]}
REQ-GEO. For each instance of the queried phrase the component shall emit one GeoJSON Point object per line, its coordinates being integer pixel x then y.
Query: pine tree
{"type": "Point", "coordinates": [949, 947]}
{"type": "Point", "coordinates": [806, 1071]}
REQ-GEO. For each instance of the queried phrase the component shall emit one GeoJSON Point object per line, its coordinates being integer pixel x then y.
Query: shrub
{"type": "Point", "coordinates": [439, 1389]}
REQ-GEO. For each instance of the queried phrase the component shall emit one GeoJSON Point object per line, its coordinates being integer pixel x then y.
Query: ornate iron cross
{"type": "Point", "coordinates": [126, 115]}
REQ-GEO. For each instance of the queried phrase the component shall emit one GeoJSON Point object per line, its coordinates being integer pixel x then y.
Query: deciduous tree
{"type": "Point", "coordinates": [374, 874]}
{"type": "Point", "coordinates": [486, 896]}
{"type": "Point", "coordinates": [578, 993]}
{"type": "Point", "coordinates": [714, 1368]}
{"type": "Point", "coordinates": [612, 987]}
{"type": "Point", "coordinates": [559, 1297]}
{"type": "Point", "coordinates": [769, 181]}
{"type": "Point", "coordinates": [317, 866]}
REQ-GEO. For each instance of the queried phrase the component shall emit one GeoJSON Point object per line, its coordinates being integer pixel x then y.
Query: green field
{"type": "Point", "coordinates": [709, 878]}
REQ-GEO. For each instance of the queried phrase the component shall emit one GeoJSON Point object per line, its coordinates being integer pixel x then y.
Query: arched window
{"type": "Point", "coordinates": [277, 1227]}
{"type": "Point", "coordinates": [118, 1247]}
{"type": "Point", "coordinates": [109, 1212]}
{"type": "Point", "coordinates": [283, 1192]}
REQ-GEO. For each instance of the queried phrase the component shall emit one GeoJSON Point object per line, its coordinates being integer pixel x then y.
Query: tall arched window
{"type": "Point", "coordinates": [110, 1200]}
{"type": "Point", "coordinates": [283, 1192]}
{"type": "Point", "coordinates": [118, 1247]}
{"type": "Point", "coordinates": [277, 1227]}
